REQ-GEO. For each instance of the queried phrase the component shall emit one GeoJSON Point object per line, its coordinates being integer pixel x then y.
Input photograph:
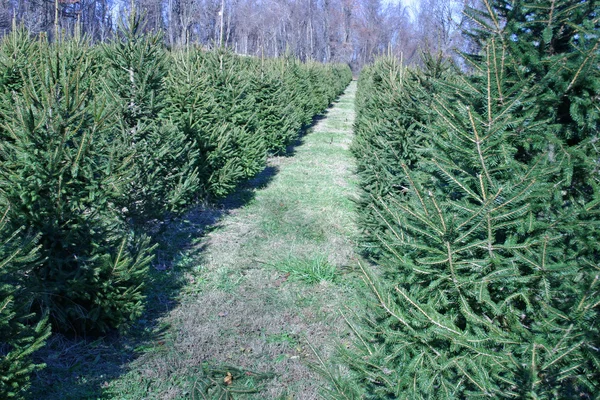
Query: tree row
{"type": "Point", "coordinates": [98, 141]}
{"type": "Point", "coordinates": [480, 206]}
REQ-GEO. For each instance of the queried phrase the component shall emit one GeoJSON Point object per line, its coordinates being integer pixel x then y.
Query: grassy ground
{"type": "Point", "coordinates": [258, 280]}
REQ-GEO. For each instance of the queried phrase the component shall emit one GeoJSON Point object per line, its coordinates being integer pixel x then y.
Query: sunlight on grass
{"type": "Point", "coordinates": [274, 269]}
{"type": "Point", "coordinates": [308, 270]}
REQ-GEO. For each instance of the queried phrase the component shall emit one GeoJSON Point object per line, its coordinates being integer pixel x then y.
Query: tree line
{"type": "Point", "coordinates": [347, 31]}
{"type": "Point", "coordinates": [480, 204]}
{"type": "Point", "coordinates": [101, 142]}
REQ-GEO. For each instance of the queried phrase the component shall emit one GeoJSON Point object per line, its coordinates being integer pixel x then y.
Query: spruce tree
{"type": "Point", "coordinates": [301, 89]}
{"type": "Point", "coordinates": [233, 109]}
{"type": "Point", "coordinates": [320, 89]}
{"type": "Point", "coordinates": [392, 109]}
{"type": "Point", "coordinates": [556, 45]}
{"type": "Point", "coordinates": [211, 101]}
{"type": "Point", "coordinates": [15, 50]}
{"type": "Point", "coordinates": [275, 116]}
{"type": "Point", "coordinates": [293, 94]}
{"type": "Point", "coordinates": [59, 179]}
{"type": "Point", "coordinates": [482, 293]}
{"type": "Point", "coordinates": [162, 176]}
{"type": "Point", "coordinates": [21, 332]}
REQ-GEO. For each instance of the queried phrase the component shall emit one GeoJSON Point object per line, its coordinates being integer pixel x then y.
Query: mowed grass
{"type": "Point", "coordinates": [263, 286]}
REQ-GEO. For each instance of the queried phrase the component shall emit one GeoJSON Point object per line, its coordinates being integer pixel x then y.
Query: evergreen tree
{"type": "Point", "coordinates": [236, 109]}
{"type": "Point", "coordinates": [211, 100]}
{"type": "Point", "coordinates": [276, 118]}
{"type": "Point", "coordinates": [392, 109]}
{"type": "Point", "coordinates": [233, 110]}
{"type": "Point", "coordinates": [483, 290]}
{"type": "Point", "coordinates": [92, 134]}
{"type": "Point", "coordinates": [556, 45]}
{"type": "Point", "coordinates": [160, 156]}
{"type": "Point", "coordinates": [320, 90]}
{"type": "Point", "coordinates": [20, 333]}
{"type": "Point", "coordinates": [294, 94]}
{"type": "Point", "coordinates": [59, 179]}
{"type": "Point", "coordinates": [15, 50]}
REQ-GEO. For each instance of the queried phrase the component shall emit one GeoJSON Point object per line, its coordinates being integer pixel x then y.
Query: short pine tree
{"type": "Point", "coordinates": [211, 101]}
{"type": "Point", "coordinates": [162, 176]}
{"type": "Point", "coordinates": [20, 333]}
{"type": "Point", "coordinates": [234, 108]}
{"type": "Point", "coordinates": [555, 44]}
{"type": "Point", "coordinates": [321, 94]}
{"type": "Point", "coordinates": [391, 107]}
{"type": "Point", "coordinates": [301, 90]}
{"type": "Point", "coordinates": [14, 51]}
{"type": "Point", "coordinates": [275, 116]}
{"type": "Point", "coordinates": [481, 293]}
{"type": "Point", "coordinates": [58, 179]}
{"type": "Point", "coordinates": [292, 94]}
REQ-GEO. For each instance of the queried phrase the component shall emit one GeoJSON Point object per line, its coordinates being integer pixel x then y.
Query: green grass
{"type": "Point", "coordinates": [312, 270]}
{"type": "Point", "coordinates": [283, 337]}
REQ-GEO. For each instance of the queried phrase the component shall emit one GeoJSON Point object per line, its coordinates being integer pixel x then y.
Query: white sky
{"type": "Point", "coordinates": [411, 4]}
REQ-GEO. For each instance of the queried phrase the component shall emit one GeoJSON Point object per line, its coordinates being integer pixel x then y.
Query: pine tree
{"type": "Point", "coordinates": [15, 50]}
{"type": "Point", "coordinates": [160, 156]}
{"type": "Point", "coordinates": [392, 110]}
{"type": "Point", "coordinates": [21, 334]}
{"type": "Point", "coordinates": [482, 293]}
{"type": "Point", "coordinates": [211, 101]}
{"type": "Point", "coordinates": [234, 110]}
{"type": "Point", "coordinates": [294, 94]}
{"type": "Point", "coordinates": [275, 115]}
{"type": "Point", "coordinates": [301, 89]}
{"type": "Point", "coordinates": [320, 91]}
{"type": "Point", "coordinates": [555, 44]}
{"type": "Point", "coordinates": [59, 179]}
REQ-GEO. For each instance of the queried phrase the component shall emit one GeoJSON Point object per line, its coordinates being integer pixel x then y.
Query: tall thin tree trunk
{"type": "Point", "coordinates": [55, 19]}
{"type": "Point", "coordinates": [221, 29]}
{"type": "Point", "coordinates": [170, 13]}
{"type": "Point", "coordinates": [228, 30]}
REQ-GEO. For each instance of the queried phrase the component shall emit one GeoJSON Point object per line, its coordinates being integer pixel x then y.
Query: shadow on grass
{"type": "Point", "coordinates": [290, 149]}
{"type": "Point", "coordinates": [80, 367]}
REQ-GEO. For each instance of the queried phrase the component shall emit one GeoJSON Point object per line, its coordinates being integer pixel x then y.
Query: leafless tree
{"type": "Point", "coordinates": [349, 31]}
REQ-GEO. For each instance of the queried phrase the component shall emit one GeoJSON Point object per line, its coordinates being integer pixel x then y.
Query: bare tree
{"type": "Point", "coordinates": [349, 31]}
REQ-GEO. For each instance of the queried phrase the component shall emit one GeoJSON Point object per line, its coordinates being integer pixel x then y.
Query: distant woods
{"type": "Point", "coordinates": [347, 31]}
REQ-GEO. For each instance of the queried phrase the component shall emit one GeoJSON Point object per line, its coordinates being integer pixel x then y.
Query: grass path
{"type": "Point", "coordinates": [268, 278]}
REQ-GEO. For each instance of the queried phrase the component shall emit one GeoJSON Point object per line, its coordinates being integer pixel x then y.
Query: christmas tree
{"type": "Point", "coordinates": [21, 332]}
{"type": "Point", "coordinates": [159, 156]}
{"type": "Point", "coordinates": [489, 266]}
{"type": "Point", "coordinates": [58, 179]}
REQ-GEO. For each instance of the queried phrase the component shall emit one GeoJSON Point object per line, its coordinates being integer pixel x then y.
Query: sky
{"type": "Point", "coordinates": [411, 4]}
